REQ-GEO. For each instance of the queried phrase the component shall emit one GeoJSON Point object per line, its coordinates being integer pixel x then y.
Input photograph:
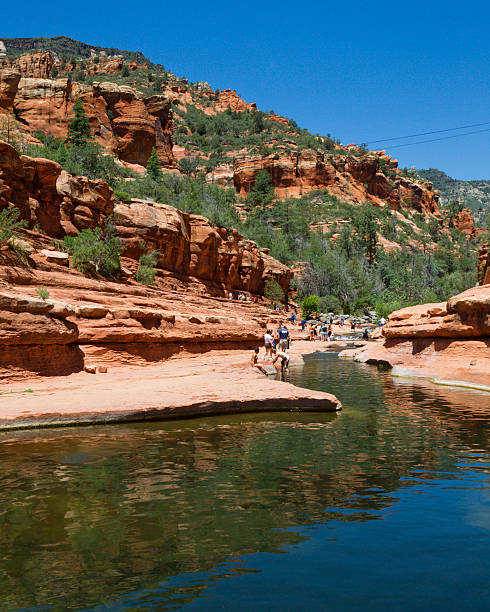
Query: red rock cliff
{"type": "Point", "coordinates": [190, 246]}
{"type": "Point", "coordinates": [349, 177]}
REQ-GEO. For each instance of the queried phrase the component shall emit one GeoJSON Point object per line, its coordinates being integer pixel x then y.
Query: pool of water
{"type": "Point", "coordinates": [383, 507]}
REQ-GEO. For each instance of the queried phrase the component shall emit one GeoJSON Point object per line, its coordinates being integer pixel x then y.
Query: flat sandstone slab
{"type": "Point", "coordinates": [210, 384]}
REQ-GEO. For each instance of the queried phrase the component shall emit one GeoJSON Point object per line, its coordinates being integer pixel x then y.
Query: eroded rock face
{"type": "Point", "coordinates": [464, 223]}
{"type": "Point", "coordinates": [36, 65]}
{"type": "Point", "coordinates": [352, 178]}
{"type": "Point", "coordinates": [449, 341]}
{"type": "Point", "coordinates": [56, 201]}
{"type": "Point", "coordinates": [9, 81]}
{"type": "Point", "coordinates": [466, 315]}
{"type": "Point", "coordinates": [122, 120]}
{"type": "Point", "coordinates": [484, 265]}
{"type": "Point", "coordinates": [189, 245]}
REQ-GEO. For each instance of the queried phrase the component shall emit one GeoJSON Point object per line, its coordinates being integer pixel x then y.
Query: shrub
{"type": "Point", "coordinates": [10, 223]}
{"type": "Point", "coordinates": [79, 127]}
{"type": "Point", "coordinates": [42, 292]}
{"type": "Point", "coordinates": [310, 304]}
{"type": "Point", "coordinates": [153, 166]}
{"type": "Point", "coordinates": [273, 291]}
{"type": "Point", "coordinates": [94, 252]}
{"type": "Point", "coordinates": [121, 196]}
{"type": "Point", "coordinates": [330, 303]}
{"type": "Point", "coordinates": [146, 272]}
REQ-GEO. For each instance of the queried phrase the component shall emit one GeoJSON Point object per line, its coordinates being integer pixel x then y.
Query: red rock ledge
{"type": "Point", "coordinates": [218, 382]}
{"type": "Point", "coordinates": [448, 342]}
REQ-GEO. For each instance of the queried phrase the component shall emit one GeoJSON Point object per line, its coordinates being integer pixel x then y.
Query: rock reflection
{"type": "Point", "coordinates": [151, 502]}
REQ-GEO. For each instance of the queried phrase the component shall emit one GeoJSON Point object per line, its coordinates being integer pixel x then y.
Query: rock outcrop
{"type": "Point", "coordinates": [123, 120]}
{"type": "Point", "coordinates": [60, 204]}
{"type": "Point", "coordinates": [484, 265]}
{"type": "Point", "coordinates": [349, 177]}
{"type": "Point", "coordinates": [464, 223]}
{"type": "Point", "coordinates": [448, 341]}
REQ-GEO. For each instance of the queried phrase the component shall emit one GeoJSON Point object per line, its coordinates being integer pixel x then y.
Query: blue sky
{"type": "Point", "coordinates": [361, 71]}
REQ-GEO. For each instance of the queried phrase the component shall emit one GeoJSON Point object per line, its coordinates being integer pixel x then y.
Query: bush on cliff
{"type": "Point", "coordinates": [153, 166]}
{"type": "Point", "coordinates": [79, 127]}
{"type": "Point", "coordinates": [95, 252]}
{"type": "Point", "coordinates": [10, 223]}
{"type": "Point", "coordinates": [273, 291]}
{"type": "Point", "coordinates": [146, 271]}
{"type": "Point", "coordinates": [310, 305]}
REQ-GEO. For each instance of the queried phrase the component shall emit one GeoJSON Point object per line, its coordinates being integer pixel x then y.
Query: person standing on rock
{"type": "Point", "coordinates": [268, 340]}
{"type": "Point", "coordinates": [283, 335]}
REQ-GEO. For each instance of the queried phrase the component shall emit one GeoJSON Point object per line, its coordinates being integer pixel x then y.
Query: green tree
{"type": "Point", "coordinates": [367, 230]}
{"type": "Point", "coordinates": [10, 223]}
{"type": "Point", "coordinates": [79, 127]}
{"type": "Point", "coordinates": [125, 71]}
{"type": "Point", "coordinates": [96, 252]}
{"type": "Point", "coordinates": [263, 191]}
{"type": "Point", "coordinates": [153, 166]}
{"type": "Point", "coordinates": [310, 305]}
{"type": "Point", "coordinates": [146, 271]}
{"type": "Point", "coordinates": [273, 291]}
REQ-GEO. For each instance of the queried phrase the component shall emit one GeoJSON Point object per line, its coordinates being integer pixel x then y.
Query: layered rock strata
{"type": "Point", "coordinates": [349, 177]}
{"type": "Point", "coordinates": [448, 342]}
{"type": "Point", "coordinates": [123, 120]}
{"type": "Point", "coordinates": [60, 204]}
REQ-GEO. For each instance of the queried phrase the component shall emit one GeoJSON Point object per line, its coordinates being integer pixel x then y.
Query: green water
{"type": "Point", "coordinates": [385, 506]}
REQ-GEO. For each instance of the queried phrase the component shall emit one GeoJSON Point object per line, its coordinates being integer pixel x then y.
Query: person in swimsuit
{"type": "Point", "coordinates": [284, 357]}
{"type": "Point", "coordinates": [268, 340]}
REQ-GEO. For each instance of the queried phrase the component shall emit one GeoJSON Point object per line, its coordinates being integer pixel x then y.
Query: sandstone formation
{"type": "Point", "coordinates": [61, 204]}
{"type": "Point", "coordinates": [484, 265]}
{"type": "Point", "coordinates": [349, 177]}
{"type": "Point", "coordinates": [448, 342]}
{"type": "Point", "coordinates": [123, 120]}
{"type": "Point", "coordinates": [215, 383]}
{"type": "Point", "coordinates": [36, 65]}
{"type": "Point", "coordinates": [117, 321]}
{"type": "Point", "coordinates": [464, 223]}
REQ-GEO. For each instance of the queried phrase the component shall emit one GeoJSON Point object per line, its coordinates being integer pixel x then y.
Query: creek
{"type": "Point", "coordinates": [385, 506]}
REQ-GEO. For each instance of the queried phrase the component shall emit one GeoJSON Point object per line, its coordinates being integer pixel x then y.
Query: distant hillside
{"type": "Point", "coordinates": [474, 194]}
{"type": "Point", "coordinates": [66, 47]}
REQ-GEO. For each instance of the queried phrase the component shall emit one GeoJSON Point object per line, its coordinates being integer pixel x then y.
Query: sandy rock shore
{"type": "Point", "coordinates": [217, 382]}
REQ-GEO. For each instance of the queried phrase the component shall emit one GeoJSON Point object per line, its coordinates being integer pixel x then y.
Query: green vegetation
{"type": "Point", "coordinates": [10, 224]}
{"type": "Point", "coordinates": [42, 292]}
{"type": "Point", "coordinates": [344, 264]}
{"type": "Point", "coordinates": [153, 166]}
{"type": "Point", "coordinates": [95, 252]}
{"type": "Point", "coordinates": [146, 271]}
{"type": "Point", "coordinates": [273, 291]}
{"type": "Point", "coordinates": [226, 133]}
{"type": "Point", "coordinates": [79, 132]}
{"type": "Point", "coordinates": [310, 305]}
{"type": "Point", "coordinates": [262, 193]}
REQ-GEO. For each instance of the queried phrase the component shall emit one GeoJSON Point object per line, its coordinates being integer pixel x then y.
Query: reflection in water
{"type": "Point", "coordinates": [383, 505]}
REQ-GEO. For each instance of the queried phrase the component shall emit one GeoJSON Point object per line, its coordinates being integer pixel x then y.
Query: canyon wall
{"type": "Point", "coordinates": [60, 204]}
{"type": "Point", "coordinates": [349, 177]}
{"type": "Point", "coordinates": [123, 120]}
{"type": "Point", "coordinates": [448, 342]}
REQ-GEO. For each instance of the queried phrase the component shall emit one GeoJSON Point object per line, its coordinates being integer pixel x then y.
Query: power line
{"type": "Point", "coordinates": [463, 127]}
{"type": "Point", "coordinates": [408, 144]}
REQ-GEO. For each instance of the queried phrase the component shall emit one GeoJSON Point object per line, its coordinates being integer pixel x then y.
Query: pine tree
{"type": "Point", "coordinates": [79, 127]}
{"type": "Point", "coordinates": [153, 166]}
{"type": "Point", "coordinates": [263, 191]}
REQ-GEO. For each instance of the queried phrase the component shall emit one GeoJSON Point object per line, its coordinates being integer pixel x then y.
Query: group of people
{"type": "Point", "coordinates": [242, 297]}
{"type": "Point", "coordinates": [276, 346]}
